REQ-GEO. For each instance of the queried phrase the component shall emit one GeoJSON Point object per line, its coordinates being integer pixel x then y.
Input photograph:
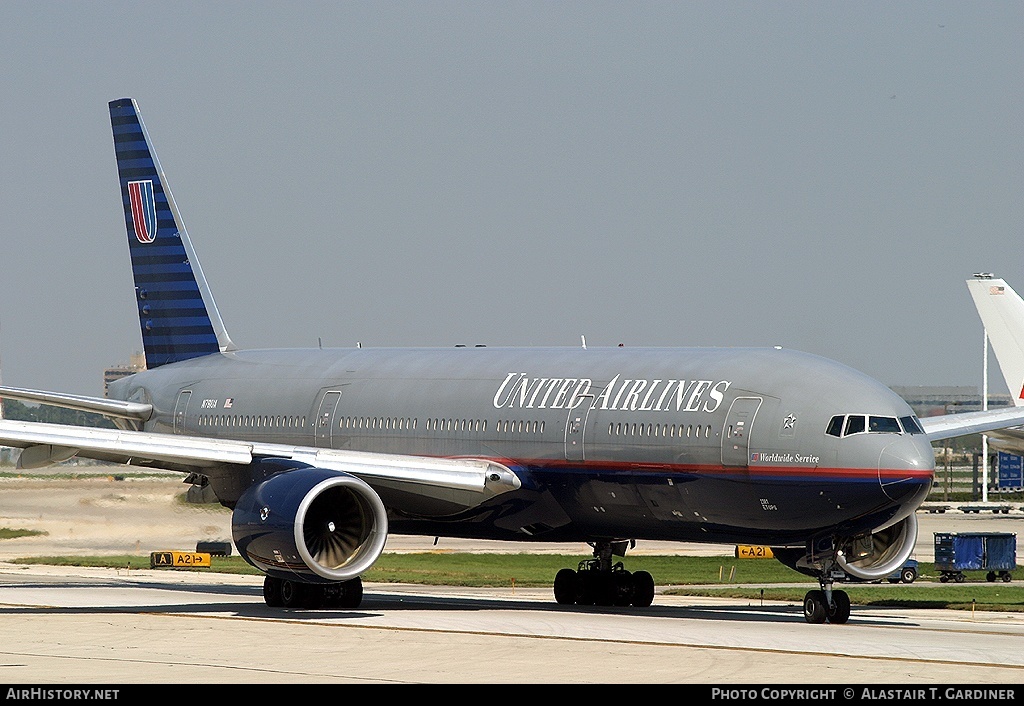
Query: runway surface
{"type": "Point", "coordinates": [142, 626]}
{"type": "Point", "coordinates": [137, 626]}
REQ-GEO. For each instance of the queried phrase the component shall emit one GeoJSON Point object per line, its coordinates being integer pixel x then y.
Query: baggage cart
{"type": "Point", "coordinates": [993, 552]}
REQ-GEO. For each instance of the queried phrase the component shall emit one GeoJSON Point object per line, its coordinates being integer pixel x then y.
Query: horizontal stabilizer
{"type": "Point", "coordinates": [135, 413]}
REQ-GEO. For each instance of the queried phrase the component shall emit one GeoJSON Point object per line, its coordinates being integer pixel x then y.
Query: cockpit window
{"type": "Point", "coordinates": [884, 424]}
{"type": "Point", "coordinates": [911, 425]}
{"type": "Point", "coordinates": [854, 424]}
{"type": "Point", "coordinates": [845, 425]}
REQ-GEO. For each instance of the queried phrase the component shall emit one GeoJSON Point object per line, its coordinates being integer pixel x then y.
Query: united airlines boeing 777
{"type": "Point", "coordinates": [321, 453]}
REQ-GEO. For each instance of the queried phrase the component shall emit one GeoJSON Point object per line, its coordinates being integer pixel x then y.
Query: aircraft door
{"type": "Point", "coordinates": [739, 423]}
{"type": "Point", "coordinates": [325, 419]}
{"type": "Point", "coordinates": [180, 407]}
{"type": "Point", "coordinates": [576, 428]}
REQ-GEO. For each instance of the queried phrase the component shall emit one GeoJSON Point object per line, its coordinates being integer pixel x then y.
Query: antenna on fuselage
{"type": "Point", "coordinates": [583, 340]}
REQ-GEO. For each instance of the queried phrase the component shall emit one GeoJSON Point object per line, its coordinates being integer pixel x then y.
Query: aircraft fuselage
{"type": "Point", "coordinates": [710, 445]}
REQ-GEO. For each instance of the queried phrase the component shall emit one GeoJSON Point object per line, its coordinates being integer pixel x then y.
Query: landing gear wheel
{"type": "Point", "coordinates": [351, 593]}
{"type": "Point", "coordinates": [960, 578]}
{"type": "Point", "coordinates": [316, 596]}
{"type": "Point", "coordinates": [565, 587]}
{"type": "Point", "coordinates": [293, 594]}
{"type": "Point", "coordinates": [604, 594]}
{"type": "Point", "coordinates": [944, 578]}
{"type": "Point", "coordinates": [600, 581]}
{"type": "Point", "coordinates": [587, 588]}
{"type": "Point", "coordinates": [623, 584]}
{"type": "Point", "coordinates": [643, 589]}
{"type": "Point", "coordinates": [1007, 577]}
{"type": "Point", "coordinates": [908, 575]}
{"type": "Point", "coordinates": [272, 592]}
{"type": "Point", "coordinates": [814, 607]}
{"type": "Point", "coordinates": [839, 611]}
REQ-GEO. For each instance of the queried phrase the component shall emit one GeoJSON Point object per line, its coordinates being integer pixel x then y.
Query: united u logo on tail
{"type": "Point", "coordinates": [140, 194]}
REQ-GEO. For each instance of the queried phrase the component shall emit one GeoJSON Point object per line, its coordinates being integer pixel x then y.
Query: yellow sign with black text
{"type": "Point", "coordinates": [747, 551]}
{"type": "Point", "coordinates": [179, 560]}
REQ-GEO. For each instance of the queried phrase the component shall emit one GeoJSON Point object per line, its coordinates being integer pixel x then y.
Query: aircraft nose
{"type": "Point", "coordinates": [906, 469]}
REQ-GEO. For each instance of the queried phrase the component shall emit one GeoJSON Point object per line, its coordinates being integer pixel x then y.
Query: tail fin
{"type": "Point", "coordinates": [177, 314]}
{"type": "Point", "coordinates": [1002, 313]}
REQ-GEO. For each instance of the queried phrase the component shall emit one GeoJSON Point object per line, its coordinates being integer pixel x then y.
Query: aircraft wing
{"type": "Point", "coordinates": [948, 426]}
{"type": "Point", "coordinates": [465, 482]}
{"type": "Point", "coordinates": [127, 415]}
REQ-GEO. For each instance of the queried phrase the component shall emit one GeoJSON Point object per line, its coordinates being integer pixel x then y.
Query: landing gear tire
{"type": "Point", "coordinates": [293, 594]}
{"type": "Point", "coordinates": [604, 589]}
{"type": "Point", "coordinates": [814, 607]}
{"type": "Point", "coordinates": [908, 575]}
{"type": "Point", "coordinates": [316, 596]}
{"type": "Point", "coordinates": [272, 592]}
{"type": "Point", "coordinates": [351, 594]}
{"type": "Point", "coordinates": [643, 589]}
{"type": "Point", "coordinates": [1007, 576]}
{"type": "Point", "coordinates": [587, 588]}
{"type": "Point", "coordinates": [565, 587]}
{"type": "Point", "coordinates": [839, 611]}
{"type": "Point", "coordinates": [622, 581]}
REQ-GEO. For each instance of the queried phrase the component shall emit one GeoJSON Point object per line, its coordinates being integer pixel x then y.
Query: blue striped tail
{"type": "Point", "coordinates": [177, 315]}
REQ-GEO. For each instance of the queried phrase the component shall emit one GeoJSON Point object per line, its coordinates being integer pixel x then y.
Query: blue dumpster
{"type": "Point", "coordinates": [994, 552]}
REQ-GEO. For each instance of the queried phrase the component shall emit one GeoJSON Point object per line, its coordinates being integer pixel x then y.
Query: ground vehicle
{"type": "Point", "coordinates": [905, 574]}
{"type": "Point", "coordinates": [908, 574]}
{"type": "Point", "coordinates": [994, 552]}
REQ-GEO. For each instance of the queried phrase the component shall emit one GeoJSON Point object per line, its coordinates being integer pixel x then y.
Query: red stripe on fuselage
{"type": "Point", "coordinates": [794, 472]}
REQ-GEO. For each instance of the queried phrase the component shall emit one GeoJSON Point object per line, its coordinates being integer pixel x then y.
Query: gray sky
{"type": "Point", "coordinates": [817, 175]}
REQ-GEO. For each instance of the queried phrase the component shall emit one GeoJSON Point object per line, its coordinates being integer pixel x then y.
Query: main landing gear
{"type": "Point", "coordinates": [598, 581]}
{"type": "Point", "coordinates": [826, 604]}
{"type": "Point", "coordinates": [286, 593]}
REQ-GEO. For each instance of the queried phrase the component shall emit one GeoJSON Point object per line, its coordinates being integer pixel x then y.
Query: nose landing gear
{"type": "Point", "coordinates": [826, 604]}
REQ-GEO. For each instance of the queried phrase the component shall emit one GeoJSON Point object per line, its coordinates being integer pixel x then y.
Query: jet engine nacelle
{"type": "Point", "coordinates": [877, 554]}
{"type": "Point", "coordinates": [310, 524]}
{"type": "Point", "coordinates": [869, 556]}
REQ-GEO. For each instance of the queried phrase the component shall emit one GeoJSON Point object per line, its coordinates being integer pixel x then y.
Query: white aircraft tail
{"type": "Point", "coordinates": [1002, 313]}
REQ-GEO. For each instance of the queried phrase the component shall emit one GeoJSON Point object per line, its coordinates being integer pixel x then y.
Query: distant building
{"type": "Point", "coordinates": [138, 363]}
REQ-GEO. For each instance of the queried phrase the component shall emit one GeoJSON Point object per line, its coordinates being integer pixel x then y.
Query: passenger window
{"type": "Point", "coordinates": [835, 426]}
{"type": "Point", "coordinates": [854, 424]}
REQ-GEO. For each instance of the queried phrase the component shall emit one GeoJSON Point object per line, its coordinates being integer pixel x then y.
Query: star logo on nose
{"type": "Point", "coordinates": [789, 422]}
